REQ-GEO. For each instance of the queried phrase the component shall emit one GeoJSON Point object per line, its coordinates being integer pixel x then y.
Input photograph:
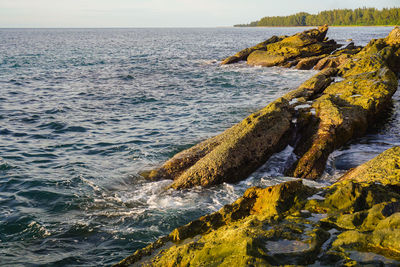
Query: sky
{"type": "Point", "coordinates": [160, 13]}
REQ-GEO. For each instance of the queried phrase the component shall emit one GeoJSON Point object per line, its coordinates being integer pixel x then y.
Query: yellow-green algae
{"type": "Point", "coordinates": [309, 62]}
{"type": "Point", "coordinates": [232, 235]}
{"type": "Point", "coordinates": [243, 54]}
{"type": "Point", "coordinates": [385, 168]}
{"type": "Point", "coordinates": [290, 50]}
{"type": "Point", "coordinates": [291, 224]}
{"type": "Point", "coordinates": [346, 108]}
{"type": "Point", "coordinates": [338, 57]}
{"type": "Point", "coordinates": [235, 153]}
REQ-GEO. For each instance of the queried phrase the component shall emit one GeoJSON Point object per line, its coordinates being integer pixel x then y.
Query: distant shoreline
{"type": "Point", "coordinates": [340, 17]}
{"type": "Point", "coordinates": [331, 26]}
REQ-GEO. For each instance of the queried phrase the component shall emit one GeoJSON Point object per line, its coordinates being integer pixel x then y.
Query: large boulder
{"type": "Point", "coordinates": [308, 62]}
{"type": "Point", "coordinates": [307, 44]}
{"type": "Point", "coordinates": [394, 36]}
{"type": "Point", "coordinates": [232, 155]}
{"type": "Point", "coordinates": [240, 150]}
{"type": "Point", "coordinates": [286, 51]}
{"type": "Point", "coordinates": [242, 55]}
{"type": "Point", "coordinates": [265, 59]}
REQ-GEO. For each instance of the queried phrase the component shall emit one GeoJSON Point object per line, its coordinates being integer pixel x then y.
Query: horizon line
{"type": "Point", "coordinates": [188, 27]}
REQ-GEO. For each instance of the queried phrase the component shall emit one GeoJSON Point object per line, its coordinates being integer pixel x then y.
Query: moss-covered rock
{"type": "Point", "coordinates": [236, 153]}
{"type": "Point", "coordinates": [242, 55]}
{"type": "Point", "coordinates": [281, 225]}
{"type": "Point", "coordinates": [350, 223]}
{"type": "Point", "coordinates": [337, 58]}
{"type": "Point", "coordinates": [265, 59]}
{"type": "Point", "coordinates": [236, 234]}
{"type": "Point", "coordinates": [310, 44]}
{"type": "Point", "coordinates": [384, 239]}
{"type": "Point", "coordinates": [309, 62]}
{"type": "Point", "coordinates": [240, 150]}
{"type": "Point", "coordinates": [346, 108]}
{"type": "Point", "coordinates": [385, 168]}
{"type": "Point", "coordinates": [394, 36]}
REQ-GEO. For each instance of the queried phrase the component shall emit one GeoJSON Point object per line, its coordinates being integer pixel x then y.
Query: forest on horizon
{"type": "Point", "coordinates": [337, 17]}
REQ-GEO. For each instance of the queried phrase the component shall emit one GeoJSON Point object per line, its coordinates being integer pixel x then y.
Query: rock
{"type": "Point", "coordinates": [338, 57]}
{"type": "Point", "coordinates": [290, 224]}
{"type": "Point", "coordinates": [234, 154]}
{"type": "Point", "coordinates": [394, 36]}
{"type": "Point", "coordinates": [265, 202]}
{"type": "Point", "coordinates": [232, 234]}
{"type": "Point", "coordinates": [321, 115]}
{"type": "Point", "coordinates": [242, 55]}
{"type": "Point", "coordinates": [331, 62]}
{"type": "Point", "coordinates": [265, 59]}
{"type": "Point", "coordinates": [240, 150]}
{"type": "Point", "coordinates": [313, 86]}
{"type": "Point", "coordinates": [384, 239]}
{"type": "Point", "coordinates": [309, 62]}
{"type": "Point", "coordinates": [345, 109]}
{"type": "Point", "coordinates": [385, 169]}
{"type": "Point", "coordinates": [306, 44]}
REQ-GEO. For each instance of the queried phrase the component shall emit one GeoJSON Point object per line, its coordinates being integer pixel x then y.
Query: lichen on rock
{"type": "Point", "coordinates": [243, 55]}
{"type": "Point", "coordinates": [235, 153]}
{"type": "Point", "coordinates": [346, 108]}
{"type": "Point", "coordinates": [237, 234]}
{"type": "Point", "coordinates": [385, 169]}
{"type": "Point", "coordinates": [308, 44]}
{"type": "Point", "coordinates": [292, 224]}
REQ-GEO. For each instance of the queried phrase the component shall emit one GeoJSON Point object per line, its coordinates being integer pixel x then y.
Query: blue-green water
{"type": "Point", "coordinates": [83, 111]}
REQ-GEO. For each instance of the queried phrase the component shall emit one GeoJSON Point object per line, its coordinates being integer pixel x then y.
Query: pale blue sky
{"type": "Point", "coordinates": [161, 13]}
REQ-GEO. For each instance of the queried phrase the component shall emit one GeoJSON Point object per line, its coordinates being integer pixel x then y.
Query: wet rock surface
{"type": "Point", "coordinates": [321, 115]}
{"type": "Point", "coordinates": [351, 223]}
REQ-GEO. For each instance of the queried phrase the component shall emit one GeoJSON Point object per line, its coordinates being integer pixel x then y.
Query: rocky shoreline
{"type": "Point", "coordinates": [291, 223]}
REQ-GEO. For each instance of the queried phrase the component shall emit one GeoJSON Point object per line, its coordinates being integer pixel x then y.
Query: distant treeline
{"type": "Point", "coordinates": [336, 17]}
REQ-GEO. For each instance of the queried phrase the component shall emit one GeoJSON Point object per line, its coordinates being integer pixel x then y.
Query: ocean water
{"type": "Point", "coordinates": [83, 111]}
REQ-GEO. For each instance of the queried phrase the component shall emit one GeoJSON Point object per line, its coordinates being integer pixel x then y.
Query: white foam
{"type": "Point", "coordinates": [302, 106]}
{"type": "Point", "coordinates": [293, 101]}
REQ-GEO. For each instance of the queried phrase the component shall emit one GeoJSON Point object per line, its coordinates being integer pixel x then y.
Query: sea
{"type": "Point", "coordinates": [84, 111]}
